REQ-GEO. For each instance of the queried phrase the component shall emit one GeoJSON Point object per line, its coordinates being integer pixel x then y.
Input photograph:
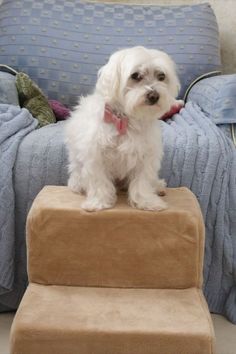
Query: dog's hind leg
{"type": "Point", "coordinates": [100, 189]}
{"type": "Point", "coordinates": [75, 183]}
{"type": "Point", "coordinates": [161, 187]}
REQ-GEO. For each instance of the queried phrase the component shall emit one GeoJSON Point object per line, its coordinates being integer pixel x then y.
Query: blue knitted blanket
{"type": "Point", "coordinates": [197, 154]}
{"type": "Point", "coordinates": [15, 123]}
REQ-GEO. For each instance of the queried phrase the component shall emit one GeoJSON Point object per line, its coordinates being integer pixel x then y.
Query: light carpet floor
{"type": "Point", "coordinates": [225, 334]}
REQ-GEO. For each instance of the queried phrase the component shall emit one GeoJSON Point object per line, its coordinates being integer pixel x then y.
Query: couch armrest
{"type": "Point", "coordinates": [216, 96]}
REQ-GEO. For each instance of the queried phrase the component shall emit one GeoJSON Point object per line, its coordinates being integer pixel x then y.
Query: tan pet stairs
{"type": "Point", "coordinates": [118, 281]}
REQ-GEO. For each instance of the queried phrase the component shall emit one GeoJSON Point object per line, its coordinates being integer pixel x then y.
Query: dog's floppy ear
{"type": "Point", "coordinates": [109, 76]}
{"type": "Point", "coordinates": [170, 68]}
{"type": "Point", "coordinates": [175, 83]}
{"type": "Point", "coordinates": [176, 86]}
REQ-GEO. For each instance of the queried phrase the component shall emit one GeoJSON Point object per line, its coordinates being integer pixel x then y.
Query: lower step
{"type": "Point", "coordinates": [75, 320]}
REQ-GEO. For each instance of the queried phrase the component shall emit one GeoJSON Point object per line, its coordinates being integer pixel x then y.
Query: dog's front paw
{"type": "Point", "coordinates": [96, 204]}
{"type": "Point", "coordinates": [153, 204]}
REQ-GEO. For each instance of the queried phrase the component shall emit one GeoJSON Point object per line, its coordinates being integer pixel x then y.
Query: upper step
{"type": "Point", "coordinates": [120, 247]}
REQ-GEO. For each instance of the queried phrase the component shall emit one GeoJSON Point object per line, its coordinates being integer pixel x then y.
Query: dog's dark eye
{"type": "Point", "coordinates": [136, 76]}
{"type": "Point", "coordinates": [161, 76]}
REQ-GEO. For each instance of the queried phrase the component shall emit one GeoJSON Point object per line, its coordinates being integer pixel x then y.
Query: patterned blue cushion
{"type": "Point", "coordinates": [217, 97]}
{"type": "Point", "coordinates": [62, 44]}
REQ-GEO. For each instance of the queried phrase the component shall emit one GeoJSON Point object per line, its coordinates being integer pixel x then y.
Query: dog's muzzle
{"type": "Point", "coordinates": [152, 97]}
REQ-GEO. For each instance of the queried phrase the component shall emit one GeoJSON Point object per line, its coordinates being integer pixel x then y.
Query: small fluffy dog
{"type": "Point", "coordinates": [114, 134]}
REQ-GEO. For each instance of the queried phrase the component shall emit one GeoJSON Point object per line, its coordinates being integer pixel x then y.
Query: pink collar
{"type": "Point", "coordinates": [120, 121]}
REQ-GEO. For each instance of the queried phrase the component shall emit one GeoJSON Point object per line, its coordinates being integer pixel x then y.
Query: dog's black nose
{"type": "Point", "coordinates": [153, 97]}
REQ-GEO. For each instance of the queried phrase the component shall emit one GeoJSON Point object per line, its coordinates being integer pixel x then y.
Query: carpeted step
{"type": "Point", "coordinates": [120, 247]}
{"type": "Point", "coordinates": [78, 320]}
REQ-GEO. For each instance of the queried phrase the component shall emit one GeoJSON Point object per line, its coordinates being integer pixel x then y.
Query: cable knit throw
{"type": "Point", "coordinates": [15, 124]}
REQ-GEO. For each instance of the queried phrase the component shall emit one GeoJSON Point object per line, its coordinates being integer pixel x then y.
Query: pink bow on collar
{"type": "Point", "coordinates": [120, 121]}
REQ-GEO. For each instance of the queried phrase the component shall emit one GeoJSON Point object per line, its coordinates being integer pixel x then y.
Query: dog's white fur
{"type": "Point", "coordinates": [98, 155]}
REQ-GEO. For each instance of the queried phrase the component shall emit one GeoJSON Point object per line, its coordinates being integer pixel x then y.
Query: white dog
{"type": "Point", "coordinates": [114, 134]}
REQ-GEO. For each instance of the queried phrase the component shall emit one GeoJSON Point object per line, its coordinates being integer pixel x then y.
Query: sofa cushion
{"type": "Point", "coordinates": [61, 45]}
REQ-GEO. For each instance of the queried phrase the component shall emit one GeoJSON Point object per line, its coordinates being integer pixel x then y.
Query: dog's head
{"type": "Point", "coordinates": [141, 81]}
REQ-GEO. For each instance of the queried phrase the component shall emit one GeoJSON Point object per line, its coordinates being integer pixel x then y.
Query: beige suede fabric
{"type": "Point", "coordinates": [120, 247]}
{"type": "Point", "coordinates": [118, 281]}
{"type": "Point", "coordinates": [76, 320]}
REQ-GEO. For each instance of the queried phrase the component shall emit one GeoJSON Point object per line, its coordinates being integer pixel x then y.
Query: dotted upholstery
{"type": "Point", "coordinates": [217, 97]}
{"type": "Point", "coordinates": [62, 44]}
